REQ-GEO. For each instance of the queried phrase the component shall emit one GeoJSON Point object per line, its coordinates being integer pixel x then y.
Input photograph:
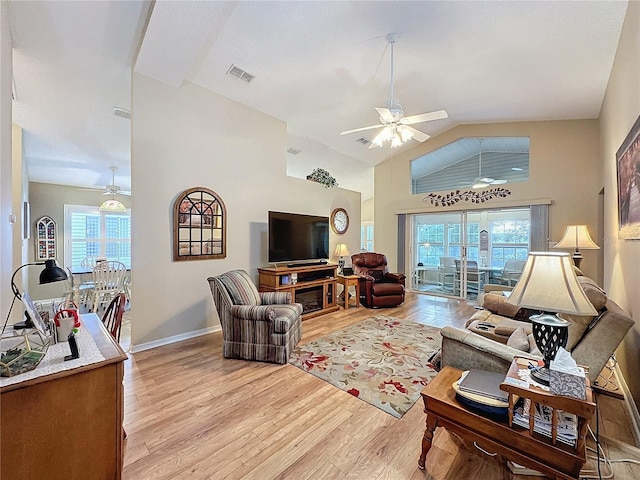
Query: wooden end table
{"type": "Point", "coordinates": [349, 281]}
{"type": "Point", "coordinates": [520, 445]}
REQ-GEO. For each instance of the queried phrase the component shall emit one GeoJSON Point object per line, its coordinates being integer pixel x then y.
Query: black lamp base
{"type": "Point", "coordinates": [23, 325]}
{"type": "Point", "coordinates": [28, 323]}
{"type": "Point", "coordinates": [577, 258]}
{"type": "Point", "coordinates": [541, 375]}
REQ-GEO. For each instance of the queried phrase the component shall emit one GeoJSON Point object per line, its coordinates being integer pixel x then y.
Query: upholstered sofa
{"type": "Point", "coordinates": [263, 326]}
{"type": "Point", "coordinates": [378, 286]}
{"type": "Point", "coordinates": [500, 331]}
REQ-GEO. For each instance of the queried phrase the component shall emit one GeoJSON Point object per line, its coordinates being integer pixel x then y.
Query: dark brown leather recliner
{"type": "Point", "coordinates": [378, 287]}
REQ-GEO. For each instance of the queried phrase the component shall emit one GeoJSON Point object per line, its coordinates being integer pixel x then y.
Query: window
{"type": "Point", "coordinates": [430, 244]}
{"type": "Point", "coordinates": [366, 237]}
{"type": "Point", "coordinates": [473, 241]}
{"type": "Point", "coordinates": [509, 241]}
{"type": "Point", "coordinates": [462, 163]}
{"type": "Point", "coordinates": [92, 233]}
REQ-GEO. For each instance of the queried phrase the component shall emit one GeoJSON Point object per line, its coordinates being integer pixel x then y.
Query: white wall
{"type": "Point", "coordinates": [6, 187]}
{"type": "Point", "coordinates": [620, 109]}
{"type": "Point", "coordinates": [187, 137]}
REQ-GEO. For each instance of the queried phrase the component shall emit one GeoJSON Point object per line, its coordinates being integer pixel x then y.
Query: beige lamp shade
{"type": "Point", "coordinates": [549, 283]}
{"type": "Point", "coordinates": [577, 237]}
{"type": "Point", "coordinates": [342, 250]}
{"type": "Point", "coordinates": [112, 205]}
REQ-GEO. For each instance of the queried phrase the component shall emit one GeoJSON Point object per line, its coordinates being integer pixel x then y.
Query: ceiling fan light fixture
{"type": "Point", "coordinates": [395, 126]}
{"type": "Point", "coordinates": [396, 141]}
{"type": "Point", "coordinates": [383, 136]}
{"type": "Point", "coordinates": [480, 184]}
{"type": "Point", "coordinates": [112, 205]}
{"type": "Point", "coordinates": [405, 134]}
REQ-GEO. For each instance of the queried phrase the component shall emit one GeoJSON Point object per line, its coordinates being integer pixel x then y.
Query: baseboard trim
{"type": "Point", "coordinates": [634, 415]}
{"type": "Point", "coordinates": [176, 338]}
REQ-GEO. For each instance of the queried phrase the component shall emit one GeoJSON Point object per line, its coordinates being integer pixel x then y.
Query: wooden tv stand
{"type": "Point", "coordinates": [315, 287]}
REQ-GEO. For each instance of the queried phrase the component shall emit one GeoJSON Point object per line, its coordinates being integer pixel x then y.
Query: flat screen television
{"type": "Point", "coordinates": [294, 237]}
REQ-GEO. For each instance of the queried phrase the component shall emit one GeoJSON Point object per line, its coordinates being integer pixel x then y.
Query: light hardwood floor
{"type": "Point", "coordinates": [189, 413]}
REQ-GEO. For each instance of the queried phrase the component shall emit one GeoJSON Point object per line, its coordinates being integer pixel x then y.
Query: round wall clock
{"type": "Point", "coordinates": [339, 220]}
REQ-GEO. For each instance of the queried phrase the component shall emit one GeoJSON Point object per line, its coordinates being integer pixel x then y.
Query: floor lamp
{"type": "Point", "coordinates": [549, 284]}
{"type": "Point", "coordinates": [577, 237]}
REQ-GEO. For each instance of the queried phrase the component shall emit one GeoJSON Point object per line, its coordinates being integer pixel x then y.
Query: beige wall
{"type": "Point", "coordinates": [620, 110]}
{"type": "Point", "coordinates": [48, 199]}
{"type": "Point", "coordinates": [187, 137]}
{"type": "Point", "coordinates": [367, 210]}
{"type": "Point", "coordinates": [563, 165]}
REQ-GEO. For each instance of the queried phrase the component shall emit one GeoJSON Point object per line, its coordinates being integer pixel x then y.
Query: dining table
{"type": "Point", "coordinates": [79, 279]}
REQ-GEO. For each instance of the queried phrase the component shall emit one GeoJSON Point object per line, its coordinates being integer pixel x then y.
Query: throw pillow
{"type": "Point", "coordinates": [519, 340]}
{"type": "Point", "coordinates": [594, 293]}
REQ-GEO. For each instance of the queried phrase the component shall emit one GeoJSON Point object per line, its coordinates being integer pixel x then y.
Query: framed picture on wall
{"type": "Point", "coordinates": [628, 164]}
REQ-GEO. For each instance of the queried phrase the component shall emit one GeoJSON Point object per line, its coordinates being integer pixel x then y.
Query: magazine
{"type": "Point", "coordinates": [567, 427]}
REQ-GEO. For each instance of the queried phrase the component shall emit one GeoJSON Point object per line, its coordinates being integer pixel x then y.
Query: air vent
{"type": "Point", "coordinates": [363, 141]}
{"type": "Point", "coordinates": [121, 112]}
{"type": "Point", "coordinates": [240, 74]}
{"type": "Point", "coordinates": [294, 151]}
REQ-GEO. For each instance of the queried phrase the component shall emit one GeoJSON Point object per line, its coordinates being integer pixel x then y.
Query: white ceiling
{"type": "Point", "coordinates": [319, 66]}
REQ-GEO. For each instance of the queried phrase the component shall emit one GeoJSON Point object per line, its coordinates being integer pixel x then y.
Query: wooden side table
{"type": "Point", "coordinates": [349, 281]}
{"type": "Point", "coordinates": [523, 446]}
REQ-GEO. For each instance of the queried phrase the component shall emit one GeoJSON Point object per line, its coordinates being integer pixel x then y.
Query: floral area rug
{"type": "Point", "coordinates": [382, 360]}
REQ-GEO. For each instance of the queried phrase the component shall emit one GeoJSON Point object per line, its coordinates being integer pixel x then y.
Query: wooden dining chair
{"type": "Point", "coordinates": [112, 318]}
{"type": "Point", "coordinates": [108, 281]}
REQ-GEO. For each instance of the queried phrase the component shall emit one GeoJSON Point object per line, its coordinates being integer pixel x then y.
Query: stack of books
{"type": "Point", "coordinates": [480, 390]}
{"type": "Point", "coordinates": [484, 384]}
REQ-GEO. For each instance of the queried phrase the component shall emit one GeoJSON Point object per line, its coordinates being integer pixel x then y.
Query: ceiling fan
{"type": "Point", "coordinates": [111, 189]}
{"type": "Point", "coordinates": [480, 181]}
{"type": "Point", "coordinates": [396, 127]}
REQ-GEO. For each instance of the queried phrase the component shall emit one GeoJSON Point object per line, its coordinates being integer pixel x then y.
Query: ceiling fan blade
{"type": "Point", "coordinates": [347, 132]}
{"type": "Point", "coordinates": [498, 182]}
{"type": "Point", "coordinates": [423, 117]}
{"type": "Point", "coordinates": [417, 134]}
{"type": "Point", "coordinates": [385, 114]}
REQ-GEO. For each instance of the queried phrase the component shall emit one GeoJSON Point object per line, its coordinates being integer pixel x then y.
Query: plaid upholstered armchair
{"type": "Point", "coordinates": [263, 326]}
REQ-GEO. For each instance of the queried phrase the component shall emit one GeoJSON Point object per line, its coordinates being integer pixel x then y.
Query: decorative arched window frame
{"type": "Point", "coordinates": [45, 238]}
{"type": "Point", "coordinates": [199, 225]}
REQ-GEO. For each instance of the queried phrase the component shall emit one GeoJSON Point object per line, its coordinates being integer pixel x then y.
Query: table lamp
{"type": "Point", "coordinates": [577, 237]}
{"type": "Point", "coordinates": [51, 273]}
{"type": "Point", "coordinates": [341, 251]}
{"type": "Point", "coordinates": [548, 283]}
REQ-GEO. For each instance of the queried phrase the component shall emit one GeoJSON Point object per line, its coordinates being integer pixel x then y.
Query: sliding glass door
{"type": "Point", "coordinates": [457, 253]}
{"type": "Point", "coordinates": [434, 255]}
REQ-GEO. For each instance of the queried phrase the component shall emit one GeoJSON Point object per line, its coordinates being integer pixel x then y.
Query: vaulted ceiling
{"type": "Point", "coordinates": [319, 66]}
